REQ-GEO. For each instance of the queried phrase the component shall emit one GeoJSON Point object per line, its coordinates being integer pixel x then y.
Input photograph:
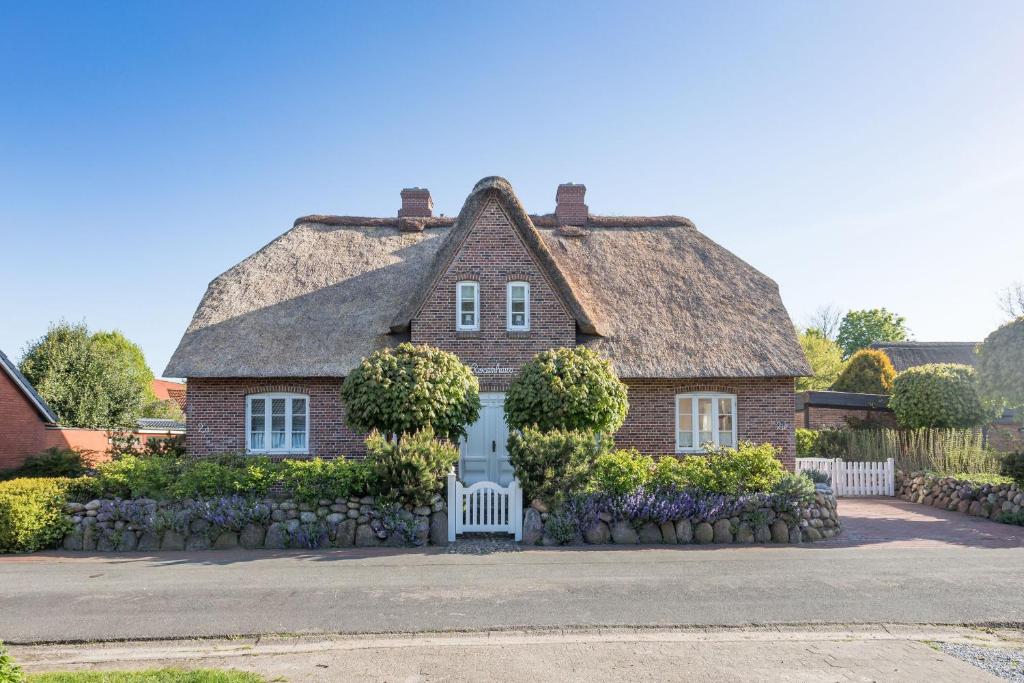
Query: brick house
{"type": "Point", "coordinates": [701, 338]}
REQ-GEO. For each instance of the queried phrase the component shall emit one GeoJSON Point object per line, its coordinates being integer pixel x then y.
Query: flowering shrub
{"type": "Point", "coordinates": [231, 513]}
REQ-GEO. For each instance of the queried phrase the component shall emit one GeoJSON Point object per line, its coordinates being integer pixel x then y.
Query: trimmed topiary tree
{"type": "Point", "coordinates": [409, 388]}
{"type": "Point", "coordinates": [1001, 364]}
{"type": "Point", "coordinates": [572, 389]}
{"type": "Point", "coordinates": [869, 372]}
{"type": "Point", "coordinates": [943, 395]}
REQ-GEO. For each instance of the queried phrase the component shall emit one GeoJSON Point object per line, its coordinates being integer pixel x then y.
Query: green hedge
{"type": "Point", "coordinates": [938, 395]}
{"type": "Point", "coordinates": [32, 514]}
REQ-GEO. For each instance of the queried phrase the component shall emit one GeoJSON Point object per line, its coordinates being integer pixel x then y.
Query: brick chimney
{"type": "Point", "coordinates": [569, 207]}
{"type": "Point", "coordinates": [416, 203]}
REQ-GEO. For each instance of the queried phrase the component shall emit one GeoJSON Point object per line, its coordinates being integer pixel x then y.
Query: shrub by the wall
{"type": "Point", "coordinates": [1013, 467]}
{"type": "Point", "coordinates": [568, 389]}
{"type": "Point", "coordinates": [798, 487]}
{"type": "Point", "coordinates": [806, 440]}
{"type": "Point", "coordinates": [317, 479]}
{"type": "Point", "coordinates": [621, 472]}
{"type": "Point", "coordinates": [942, 395]}
{"type": "Point", "coordinates": [746, 469]}
{"type": "Point", "coordinates": [412, 469]}
{"type": "Point", "coordinates": [53, 462]}
{"type": "Point", "coordinates": [408, 388]}
{"type": "Point", "coordinates": [32, 514]}
{"type": "Point", "coordinates": [552, 465]}
{"type": "Point", "coordinates": [869, 371]}
{"type": "Point", "coordinates": [10, 672]}
{"type": "Point", "coordinates": [222, 475]}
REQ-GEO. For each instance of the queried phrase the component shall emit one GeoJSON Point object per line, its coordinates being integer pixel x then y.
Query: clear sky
{"type": "Point", "coordinates": [863, 154]}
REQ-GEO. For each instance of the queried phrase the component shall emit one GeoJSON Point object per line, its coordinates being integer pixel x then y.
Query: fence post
{"type": "Point", "coordinates": [838, 477]}
{"type": "Point", "coordinates": [515, 495]}
{"type": "Point", "coordinates": [890, 476]}
{"type": "Point", "coordinates": [453, 504]}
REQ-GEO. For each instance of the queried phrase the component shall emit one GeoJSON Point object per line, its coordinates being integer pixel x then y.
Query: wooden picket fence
{"type": "Point", "coordinates": [854, 478]}
{"type": "Point", "coordinates": [485, 506]}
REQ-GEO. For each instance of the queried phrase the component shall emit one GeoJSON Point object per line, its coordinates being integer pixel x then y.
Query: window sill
{"type": "Point", "coordinates": [279, 452]}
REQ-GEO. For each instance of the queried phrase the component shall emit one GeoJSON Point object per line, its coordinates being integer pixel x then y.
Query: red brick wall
{"type": "Point", "coordinates": [22, 430]}
{"type": "Point", "coordinates": [216, 414]}
{"type": "Point", "coordinates": [494, 255]}
{"type": "Point", "coordinates": [819, 417]}
{"type": "Point", "coordinates": [764, 413]}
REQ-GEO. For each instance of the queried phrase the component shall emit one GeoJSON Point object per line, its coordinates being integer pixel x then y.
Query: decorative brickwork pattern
{"type": "Point", "coordinates": [494, 255]}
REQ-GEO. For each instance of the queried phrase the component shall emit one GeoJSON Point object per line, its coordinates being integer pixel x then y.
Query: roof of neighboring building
{"type": "Point", "coordinates": [908, 354]}
{"type": "Point", "coordinates": [159, 424]}
{"type": "Point", "coordinates": [653, 294]}
{"type": "Point", "coordinates": [27, 389]}
{"type": "Point", "coordinates": [163, 388]}
{"type": "Point", "coordinates": [841, 399]}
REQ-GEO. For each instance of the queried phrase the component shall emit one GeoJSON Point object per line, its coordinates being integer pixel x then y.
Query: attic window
{"type": "Point", "coordinates": [705, 419]}
{"type": "Point", "coordinates": [518, 307]}
{"type": "Point", "coordinates": [467, 306]}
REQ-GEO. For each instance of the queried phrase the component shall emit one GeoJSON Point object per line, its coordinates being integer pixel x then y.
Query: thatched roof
{"type": "Point", "coordinates": [908, 354]}
{"type": "Point", "coordinates": [651, 293]}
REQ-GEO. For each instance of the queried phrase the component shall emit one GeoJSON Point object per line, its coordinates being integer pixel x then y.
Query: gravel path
{"type": "Point", "coordinates": [1008, 664]}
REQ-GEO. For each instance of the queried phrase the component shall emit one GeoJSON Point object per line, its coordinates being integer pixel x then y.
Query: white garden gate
{"type": "Point", "coordinates": [854, 478]}
{"type": "Point", "coordinates": [485, 506]}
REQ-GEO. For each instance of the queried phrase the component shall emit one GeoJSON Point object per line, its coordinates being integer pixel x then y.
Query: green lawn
{"type": "Point", "coordinates": [148, 676]}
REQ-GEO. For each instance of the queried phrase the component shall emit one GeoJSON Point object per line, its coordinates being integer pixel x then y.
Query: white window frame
{"type": "Point", "coordinates": [267, 437]}
{"type": "Point", "coordinates": [458, 306]}
{"type": "Point", "coordinates": [508, 306]}
{"type": "Point", "coordinates": [695, 420]}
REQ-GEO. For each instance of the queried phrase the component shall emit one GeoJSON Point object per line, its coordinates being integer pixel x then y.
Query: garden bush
{"type": "Point", "coordinates": [669, 472]}
{"type": "Point", "coordinates": [869, 371]}
{"type": "Point", "coordinates": [132, 477]}
{"type": "Point", "coordinates": [806, 442]}
{"type": "Point", "coordinates": [818, 477]}
{"type": "Point", "coordinates": [552, 465]}
{"type": "Point", "coordinates": [746, 469]}
{"type": "Point", "coordinates": [221, 475]}
{"type": "Point", "coordinates": [411, 469]}
{"type": "Point", "coordinates": [1013, 467]}
{"type": "Point", "coordinates": [795, 487]}
{"type": "Point", "coordinates": [567, 389]}
{"type": "Point", "coordinates": [10, 672]}
{"type": "Point", "coordinates": [317, 479]}
{"type": "Point", "coordinates": [406, 389]}
{"type": "Point", "coordinates": [942, 395]}
{"type": "Point", "coordinates": [32, 514]}
{"type": "Point", "coordinates": [53, 462]}
{"type": "Point", "coordinates": [621, 472]}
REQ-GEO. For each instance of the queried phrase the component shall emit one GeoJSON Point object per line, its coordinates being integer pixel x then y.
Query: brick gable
{"type": "Point", "coordinates": [493, 254]}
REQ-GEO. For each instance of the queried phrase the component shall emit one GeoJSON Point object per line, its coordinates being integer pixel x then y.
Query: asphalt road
{"type": "Point", "coordinates": [68, 597]}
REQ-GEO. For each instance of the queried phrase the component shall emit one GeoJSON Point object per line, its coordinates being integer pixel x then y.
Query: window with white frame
{"type": "Point", "coordinates": [705, 419]}
{"type": "Point", "coordinates": [467, 305]}
{"type": "Point", "coordinates": [277, 423]}
{"type": "Point", "coordinates": [518, 306]}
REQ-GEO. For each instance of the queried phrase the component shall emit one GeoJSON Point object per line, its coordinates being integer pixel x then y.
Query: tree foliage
{"type": "Point", "coordinates": [410, 470]}
{"type": "Point", "coordinates": [861, 329]}
{"type": "Point", "coordinates": [1001, 364]}
{"type": "Point", "coordinates": [409, 388]}
{"type": "Point", "coordinates": [552, 465]}
{"type": "Point", "coordinates": [96, 380]}
{"type": "Point", "coordinates": [943, 395]}
{"type": "Point", "coordinates": [825, 358]}
{"type": "Point", "coordinates": [572, 389]}
{"type": "Point", "coordinates": [869, 371]}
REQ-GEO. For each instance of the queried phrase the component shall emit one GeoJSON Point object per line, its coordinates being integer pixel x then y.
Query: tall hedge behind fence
{"type": "Point", "coordinates": [935, 450]}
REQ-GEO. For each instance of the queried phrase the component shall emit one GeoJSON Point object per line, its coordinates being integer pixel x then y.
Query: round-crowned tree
{"type": "Point", "coordinates": [573, 389]}
{"type": "Point", "coordinates": [943, 395]}
{"type": "Point", "coordinates": [1001, 364]}
{"type": "Point", "coordinates": [869, 371]}
{"type": "Point", "coordinates": [409, 388]}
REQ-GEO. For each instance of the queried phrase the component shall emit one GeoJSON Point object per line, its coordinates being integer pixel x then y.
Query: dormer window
{"type": "Point", "coordinates": [467, 306]}
{"type": "Point", "coordinates": [518, 306]}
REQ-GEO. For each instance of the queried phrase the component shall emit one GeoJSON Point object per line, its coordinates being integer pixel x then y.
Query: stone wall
{"type": "Point", "coordinates": [228, 523]}
{"type": "Point", "coordinates": [947, 493]}
{"type": "Point", "coordinates": [756, 524]}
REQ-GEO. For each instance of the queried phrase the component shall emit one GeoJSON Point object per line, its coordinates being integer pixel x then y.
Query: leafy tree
{"type": "Point", "coordinates": [943, 395]}
{"type": "Point", "coordinates": [826, 359]}
{"type": "Point", "coordinates": [91, 380]}
{"type": "Point", "coordinates": [1001, 364]}
{"type": "Point", "coordinates": [409, 388]}
{"type": "Point", "coordinates": [869, 371]}
{"type": "Point", "coordinates": [166, 409]}
{"type": "Point", "coordinates": [572, 389]}
{"type": "Point", "coordinates": [861, 329]}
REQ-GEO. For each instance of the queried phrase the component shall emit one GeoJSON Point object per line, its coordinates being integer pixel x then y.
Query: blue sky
{"type": "Point", "coordinates": [862, 154]}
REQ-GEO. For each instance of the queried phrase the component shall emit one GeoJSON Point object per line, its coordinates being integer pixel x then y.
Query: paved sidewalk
{"type": "Point", "coordinates": [865, 653]}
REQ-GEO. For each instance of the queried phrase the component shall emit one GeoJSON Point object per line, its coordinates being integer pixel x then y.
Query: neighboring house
{"type": "Point", "coordinates": [836, 409]}
{"type": "Point", "coordinates": [29, 426]}
{"type": "Point", "coordinates": [700, 337]}
{"type": "Point", "coordinates": [169, 390]}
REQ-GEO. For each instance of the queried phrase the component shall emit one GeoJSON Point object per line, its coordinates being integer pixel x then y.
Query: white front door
{"type": "Point", "coordinates": [484, 451]}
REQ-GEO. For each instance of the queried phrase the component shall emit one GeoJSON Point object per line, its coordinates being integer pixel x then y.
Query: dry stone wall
{"type": "Point", "coordinates": [947, 493]}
